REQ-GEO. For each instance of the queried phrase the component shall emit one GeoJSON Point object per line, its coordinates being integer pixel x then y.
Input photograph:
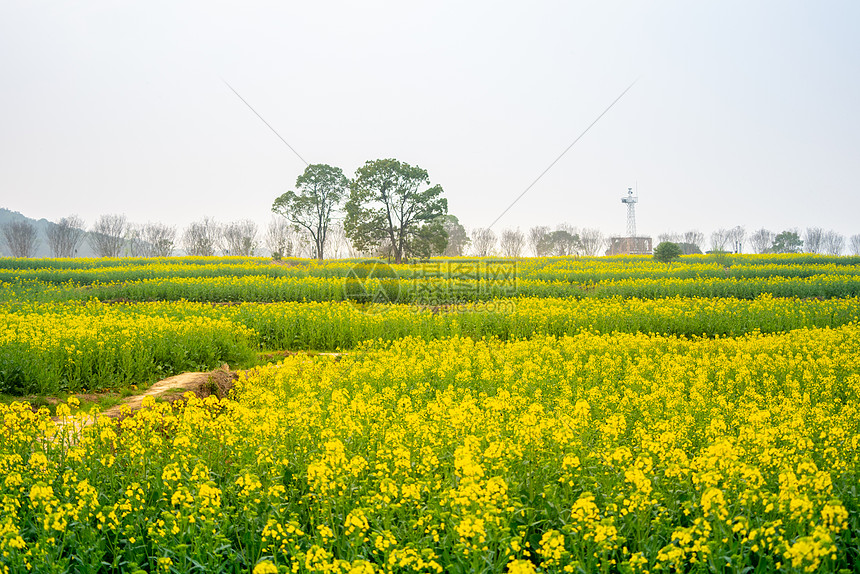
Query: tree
{"type": "Point", "coordinates": [690, 242]}
{"type": "Point", "coordinates": [592, 241]}
{"type": "Point", "coordinates": [788, 241]}
{"type": "Point", "coordinates": [65, 236]}
{"type": "Point", "coordinates": [561, 243]}
{"type": "Point", "coordinates": [320, 191]}
{"type": "Point", "coordinates": [833, 243]}
{"type": "Point", "coordinates": [720, 240]}
{"type": "Point", "coordinates": [855, 244]}
{"type": "Point", "coordinates": [108, 235]}
{"type": "Point", "coordinates": [813, 240]}
{"type": "Point", "coordinates": [666, 252]}
{"type": "Point", "coordinates": [537, 240]}
{"type": "Point", "coordinates": [240, 238]}
{"type": "Point", "coordinates": [762, 240]}
{"type": "Point", "coordinates": [390, 202]}
{"type": "Point", "coordinates": [201, 238]}
{"type": "Point", "coordinates": [279, 238]}
{"type": "Point", "coordinates": [695, 237]}
{"type": "Point", "coordinates": [133, 240]}
{"type": "Point", "coordinates": [512, 242]}
{"type": "Point", "coordinates": [483, 242]}
{"type": "Point", "coordinates": [457, 238]}
{"type": "Point", "coordinates": [574, 246]}
{"type": "Point", "coordinates": [158, 239]}
{"type": "Point", "coordinates": [689, 249]}
{"type": "Point", "coordinates": [736, 236]}
{"type": "Point", "coordinates": [335, 240]}
{"type": "Point", "coordinates": [21, 238]}
{"type": "Point", "coordinates": [670, 237]}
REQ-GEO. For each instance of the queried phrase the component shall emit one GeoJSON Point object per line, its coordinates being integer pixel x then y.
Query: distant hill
{"type": "Point", "coordinates": [42, 225]}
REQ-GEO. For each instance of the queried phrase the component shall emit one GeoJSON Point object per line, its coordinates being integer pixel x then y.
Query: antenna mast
{"type": "Point", "coordinates": [630, 200]}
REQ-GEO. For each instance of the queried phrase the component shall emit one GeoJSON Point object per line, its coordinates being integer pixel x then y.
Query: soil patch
{"type": "Point", "coordinates": [202, 384]}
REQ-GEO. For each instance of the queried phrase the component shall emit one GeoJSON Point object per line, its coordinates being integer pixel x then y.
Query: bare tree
{"type": "Point", "coordinates": [813, 240]}
{"type": "Point", "coordinates": [833, 243]}
{"type": "Point", "coordinates": [108, 235]}
{"type": "Point", "coordinates": [537, 240]}
{"type": "Point", "coordinates": [279, 237]}
{"type": "Point", "coordinates": [157, 240]}
{"type": "Point", "coordinates": [21, 238]}
{"type": "Point", "coordinates": [855, 244]}
{"type": "Point", "coordinates": [134, 240]}
{"type": "Point", "coordinates": [720, 239]}
{"type": "Point", "coordinates": [336, 240]}
{"type": "Point", "coordinates": [201, 238]}
{"type": "Point", "coordinates": [690, 242]}
{"type": "Point", "coordinates": [737, 235]}
{"type": "Point", "coordinates": [512, 242]}
{"type": "Point", "coordinates": [483, 242]}
{"type": "Point", "coordinates": [696, 238]}
{"type": "Point", "coordinates": [353, 252]}
{"type": "Point", "coordinates": [592, 241]}
{"type": "Point", "coordinates": [65, 236]}
{"type": "Point", "coordinates": [240, 238]}
{"type": "Point", "coordinates": [303, 246]}
{"type": "Point", "coordinates": [762, 240]}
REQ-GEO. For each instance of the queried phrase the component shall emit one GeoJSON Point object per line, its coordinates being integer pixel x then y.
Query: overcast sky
{"type": "Point", "coordinates": [744, 113]}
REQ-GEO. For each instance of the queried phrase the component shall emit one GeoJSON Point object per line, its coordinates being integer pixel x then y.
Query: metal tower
{"type": "Point", "coordinates": [630, 200]}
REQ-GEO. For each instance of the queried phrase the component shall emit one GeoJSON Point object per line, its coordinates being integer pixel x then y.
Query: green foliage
{"type": "Point", "coordinates": [560, 243]}
{"type": "Point", "coordinates": [457, 238]}
{"type": "Point", "coordinates": [48, 320]}
{"type": "Point", "coordinates": [689, 249]}
{"type": "Point", "coordinates": [667, 252]}
{"type": "Point", "coordinates": [321, 190]}
{"type": "Point", "coordinates": [391, 208]}
{"type": "Point", "coordinates": [787, 242]}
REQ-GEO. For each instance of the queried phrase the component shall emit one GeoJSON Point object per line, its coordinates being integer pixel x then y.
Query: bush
{"type": "Point", "coordinates": [667, 251]}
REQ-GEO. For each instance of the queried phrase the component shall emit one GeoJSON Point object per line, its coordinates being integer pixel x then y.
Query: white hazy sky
{"type": "Point", "coordinates": [745, 113]}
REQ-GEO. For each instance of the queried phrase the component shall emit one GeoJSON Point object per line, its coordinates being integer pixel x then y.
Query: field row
{"type": "Point", "coordinates": [593, 452]}
{"type": "Point", "coordinates": [50, 347]}
{"type": "Point", "coordinates": [579, 271]}
{"type": "Point", "coordinates": [428, 291]}
{"type": "Point", "coordinates": [549, 263]}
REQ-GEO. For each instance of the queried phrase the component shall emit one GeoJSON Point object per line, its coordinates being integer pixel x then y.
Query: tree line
{"type": "Point", "coordinates": [114, 236]}
{"type": "Point", "coordinates": [388, 209]}
{"type": "Point", "coordinates": [812, 240]}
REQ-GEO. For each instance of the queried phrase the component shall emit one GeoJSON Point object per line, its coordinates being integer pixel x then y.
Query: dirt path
{"type": "Point", "coordinates": [202, 384]}
{"type": "Point", "coordinates": [217, 382]}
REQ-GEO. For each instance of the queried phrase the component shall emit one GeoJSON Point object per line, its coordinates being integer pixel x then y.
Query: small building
{"type": "Point", "coordinates": [629, 246]}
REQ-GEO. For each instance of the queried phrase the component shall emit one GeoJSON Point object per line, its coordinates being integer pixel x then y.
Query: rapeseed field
{"type": "Point", "coordinates": [557, 433]}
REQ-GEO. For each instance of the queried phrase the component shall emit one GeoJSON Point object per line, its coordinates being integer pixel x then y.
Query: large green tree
{"type": "Point", "coordinates": [787, 242]}
{"type": "Point", "coordinates": [393, 206]}
{"type": "Point", "coordinates": [320, 191]}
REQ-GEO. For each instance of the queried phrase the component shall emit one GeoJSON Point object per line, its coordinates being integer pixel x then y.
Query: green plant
{"type": "Point", "coordinates": [666, 252]}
